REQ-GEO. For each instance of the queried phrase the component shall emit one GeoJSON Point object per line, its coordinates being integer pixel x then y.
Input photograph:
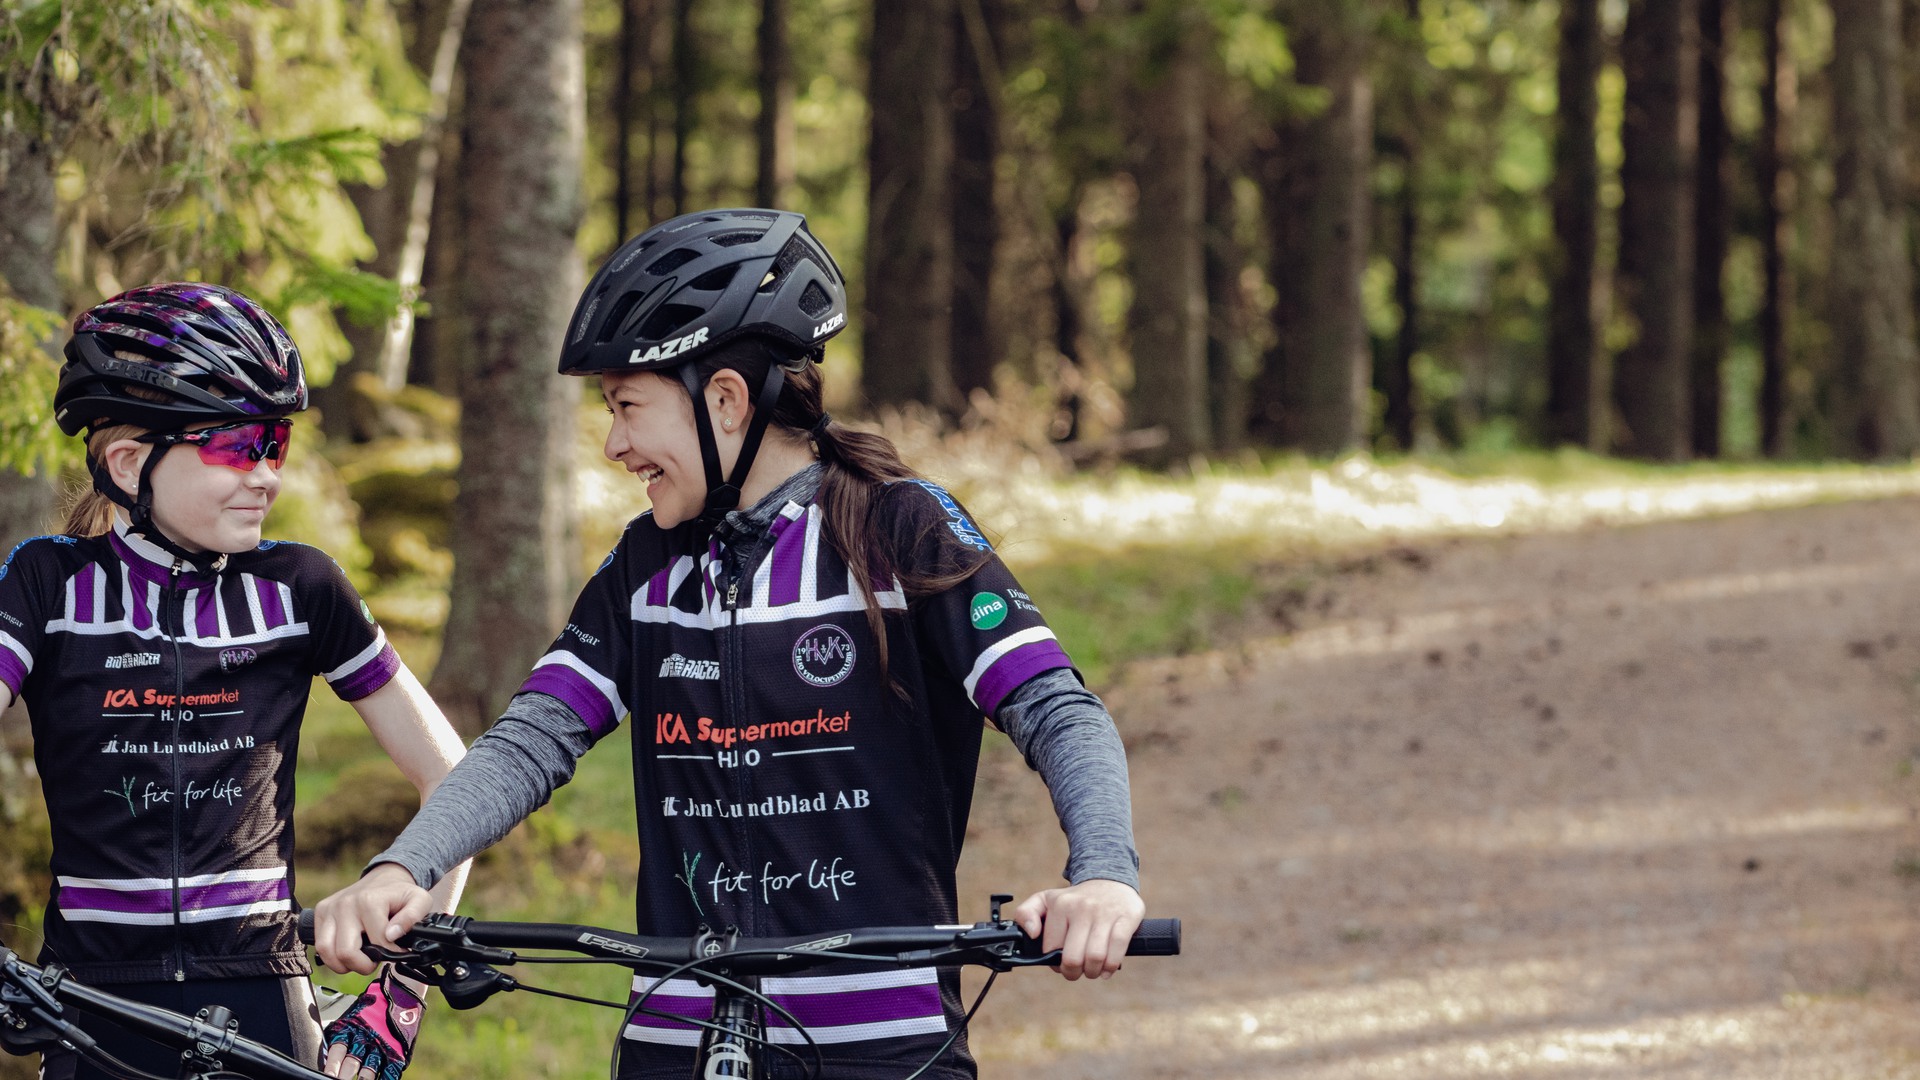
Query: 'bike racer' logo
{"type": "Point", "coordinates": [824, 655]}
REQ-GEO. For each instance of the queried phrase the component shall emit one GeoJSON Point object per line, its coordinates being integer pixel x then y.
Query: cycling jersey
{"type": "Point", "coordinates": [166, 707]}
{"type": "Point", "coordinates": [784, 784]}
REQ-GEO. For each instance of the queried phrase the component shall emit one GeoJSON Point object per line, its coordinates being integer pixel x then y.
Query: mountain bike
{"type": "Point", "coordinates": [33, 1002]}
{"type": "Point", "coordinates": [462, 957]}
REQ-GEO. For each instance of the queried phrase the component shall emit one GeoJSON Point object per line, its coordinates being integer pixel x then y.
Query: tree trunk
{"type": "Point", "coordinates": [774, 127]}
{"type": "Point", "coordinates": [29, 241]}
{"type": "Point", "coordinates": [1713, 230]}
{"type": "Point", "coordinates": [906, 350]}
{"type": "Point", "coordinates": [1872, 317]}
{"type": "Point", "coordinates": [975, 214]}
{"type": "Point", "coordinates": [1168, 320]}
{"type": "Point", "coordinates": [1658, 53]}
{"type": "Point", "coordinates": [1575, 193]}
{"type": "Point", "coordinates": [524, 142]}
{"type": "Point", "coordinates": [1776, 181]}
{"type": "Point", "coordinates": [1313, 392]}
{"type": "Point", "coordinates": [686, 97]}
{"type": "Point", "coordinates": [1229, 352]}
{"type": "Point", "coordinates": [629, 104]}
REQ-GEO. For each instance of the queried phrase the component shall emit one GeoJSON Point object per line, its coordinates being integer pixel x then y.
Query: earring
{"type": "Point", "coordinates": [728, 422]}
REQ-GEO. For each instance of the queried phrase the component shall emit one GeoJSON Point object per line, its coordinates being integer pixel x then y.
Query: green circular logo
{"type": "Point", "coordinates": [988, 611]}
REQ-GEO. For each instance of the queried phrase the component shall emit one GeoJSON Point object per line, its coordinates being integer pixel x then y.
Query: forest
{"type": "Point", "coordinates": [1155, 235]}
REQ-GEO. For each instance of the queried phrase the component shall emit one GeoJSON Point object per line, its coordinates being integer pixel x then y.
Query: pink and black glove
{"type": "Point", "coordinates": [380, 1028]}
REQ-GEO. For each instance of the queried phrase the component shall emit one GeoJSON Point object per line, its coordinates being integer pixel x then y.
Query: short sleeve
{"type": "Point", "coordinates": [587, 663]}
{"type": "Point", "coordinates": [350, 649]}
{"type": "Point", "coordinates": [28, 580]}
{"type": "Point", "coordinates": [986, 630]}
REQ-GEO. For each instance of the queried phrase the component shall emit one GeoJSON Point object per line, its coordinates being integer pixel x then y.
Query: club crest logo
{"type": "Point", "coordinates": [823, 656]}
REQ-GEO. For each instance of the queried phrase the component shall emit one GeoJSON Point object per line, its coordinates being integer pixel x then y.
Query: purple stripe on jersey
{"type": "Point", "coordinates": [83, 595]}
{"type": "Point", "coordinates": [206, 612]}
{"type": "Point", "coordinates": [697, 1007]}
{"type": "Point", "coordinates": [13, 672]}
{"type": "Point", "coordinates": [789, 552]}
{"type": "Point", "coordinates": [192, 897]}
{"type": "Point", "coordinates": [877, 1006]}
{"type": "Point", "coordinates": [573, 689]}
{"type": "Point", "coordinates": [270, 607]}
{"type": "Point", "coordinates": [137, 611]}
{"type": "Point", "coordinates": [657, 588]}
{"type": "Point", "coordinates": [1008, 672]}
{"type": "Point", "coordinates": [371, 676]}
{"type": "Point", "coordinates": [145, 901]}
{"type": "Point", "coordinates": [228, 894]}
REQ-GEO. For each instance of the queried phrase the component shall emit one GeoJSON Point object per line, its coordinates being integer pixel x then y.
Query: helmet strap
{"type": "Point", "coordinates": [724, 496]}
{"type": "Point", "coordinates": [139, 508]}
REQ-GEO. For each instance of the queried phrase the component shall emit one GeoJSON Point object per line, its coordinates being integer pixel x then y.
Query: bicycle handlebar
{"type": "Point", "coordinates": [996, 943]}
{"type": "Point", "coordinates": [31, 995]}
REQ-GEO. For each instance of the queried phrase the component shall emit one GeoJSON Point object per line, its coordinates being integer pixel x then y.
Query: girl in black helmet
{"type": "Point", "coordinates": [165, 652]}
{"type": "Point", "coordinates": [808, 636]}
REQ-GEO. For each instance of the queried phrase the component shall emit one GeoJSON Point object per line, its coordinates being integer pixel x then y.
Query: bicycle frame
{"type": "Point", "coordinates": [32, 1017]}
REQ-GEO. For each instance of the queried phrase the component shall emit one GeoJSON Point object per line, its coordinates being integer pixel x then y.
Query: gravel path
{"type": "Point", "coordinates": [1631, 802]}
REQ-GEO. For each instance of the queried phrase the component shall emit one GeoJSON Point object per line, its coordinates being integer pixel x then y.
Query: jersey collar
{"type": "Point", "coordinates": [149, 562]}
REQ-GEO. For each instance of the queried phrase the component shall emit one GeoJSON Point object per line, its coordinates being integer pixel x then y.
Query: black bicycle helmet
{"type": "Point", "coordinates": [686, 287]}
{"type": "Point", "coordinates": [214, 353]}
{"type": "Point", "coordinates": [209, 353]}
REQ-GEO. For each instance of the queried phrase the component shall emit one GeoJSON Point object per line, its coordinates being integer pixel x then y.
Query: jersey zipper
{"type": "Point", "coordinates": [732, 700]}
{"type": "Point", "coordinates": [173, 756]}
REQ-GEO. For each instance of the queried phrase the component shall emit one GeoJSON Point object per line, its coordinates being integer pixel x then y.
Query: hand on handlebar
{"type": "Point", "coordinates": [381, 906]}
{"type": "Point", "coordinates": [1089, 923]}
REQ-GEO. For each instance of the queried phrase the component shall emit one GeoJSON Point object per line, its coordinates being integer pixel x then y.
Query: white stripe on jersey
{"type": "Point", "coordinates": [12, 645]}
{"type": "Point", "coordinates": [1001, 648]}
{"type": "Point", "coordinates": [251, 586]}
{"type": "Point", "coordinates": [148, 884]}
{"type": "Point", "coordinates": [361, 659]}
{"type": "Point", "coordinates": [565, 659]}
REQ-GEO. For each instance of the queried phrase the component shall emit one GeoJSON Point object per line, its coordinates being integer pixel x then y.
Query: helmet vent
{"type": "Point", "coordinates": [668, 320]}
{"type": "Point", "coordinates": [622, 308]}
{"type": "Point", "coordinates": [734, 239]}
{"type": "Point", "coordinates": [715, 280]}
{"type": "Point", "coordinates": [671, 261]}
{"type": "Point", "coordinates": [814, 300]}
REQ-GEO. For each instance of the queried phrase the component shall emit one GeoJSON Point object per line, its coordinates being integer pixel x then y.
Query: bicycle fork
{"type": "Point", "coordinates": [731, 1049]}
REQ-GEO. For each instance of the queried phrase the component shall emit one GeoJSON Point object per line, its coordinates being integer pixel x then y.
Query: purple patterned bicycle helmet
{"type": "Point", "coordinates": [216, 354]}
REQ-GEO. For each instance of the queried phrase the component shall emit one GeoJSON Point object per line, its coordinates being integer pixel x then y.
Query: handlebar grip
{"type": "Point", "coordinates": [1156, 937]}
{"type": "Point", "coordinates": [305, 927]}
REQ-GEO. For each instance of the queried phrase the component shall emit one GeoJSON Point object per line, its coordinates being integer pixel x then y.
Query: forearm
{"type": "Point", "coordinates": [508, 773]}
{"type": "Point", "coordinates": [1067, 736]}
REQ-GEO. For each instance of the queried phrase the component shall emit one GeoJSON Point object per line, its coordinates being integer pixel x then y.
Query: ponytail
{"type": "Point", "coordinates": [88, 511]}
{"type": "Point", "coordinates": [857, 466]}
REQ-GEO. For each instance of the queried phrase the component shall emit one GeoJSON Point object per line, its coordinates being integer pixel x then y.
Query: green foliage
{"type": "Point", "coordinates": [29, 439]}
{"type": "Point", "coordinates": [211, 141]}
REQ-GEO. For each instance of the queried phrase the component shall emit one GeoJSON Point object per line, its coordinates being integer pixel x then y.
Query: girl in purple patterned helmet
{"type": "Point", "coordinates": [166, 651]}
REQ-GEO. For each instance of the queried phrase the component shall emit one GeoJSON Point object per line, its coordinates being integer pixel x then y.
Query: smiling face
{"type": "Point", "coordinates": [199, 506]}
{"type": "Point", "coordinates": [652, 434]}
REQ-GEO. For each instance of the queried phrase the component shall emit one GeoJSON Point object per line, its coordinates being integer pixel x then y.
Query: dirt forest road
{"type": "Point", "coordinates": [1625, 803]}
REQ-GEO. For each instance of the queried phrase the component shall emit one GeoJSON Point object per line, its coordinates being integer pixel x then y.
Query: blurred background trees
{"type": "Point", "coordinates": [1129, 229]}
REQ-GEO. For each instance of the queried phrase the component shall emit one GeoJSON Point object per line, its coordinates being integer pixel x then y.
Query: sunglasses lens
{"type": "Point", "coordinates": [245, 445]}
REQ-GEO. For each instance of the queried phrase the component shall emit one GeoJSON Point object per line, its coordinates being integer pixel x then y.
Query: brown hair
{"type": "Point", "coordinates": [858, 466]}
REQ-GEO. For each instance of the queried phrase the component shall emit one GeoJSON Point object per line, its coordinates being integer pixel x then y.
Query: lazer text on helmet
{"type": "Point", "coordinates": [831, 324]}
{"type": "Point", "coordinates": [668, 348]}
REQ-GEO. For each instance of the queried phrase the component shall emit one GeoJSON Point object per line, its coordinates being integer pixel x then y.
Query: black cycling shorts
{"type": "Point", "coordinates": [276, 1010]}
